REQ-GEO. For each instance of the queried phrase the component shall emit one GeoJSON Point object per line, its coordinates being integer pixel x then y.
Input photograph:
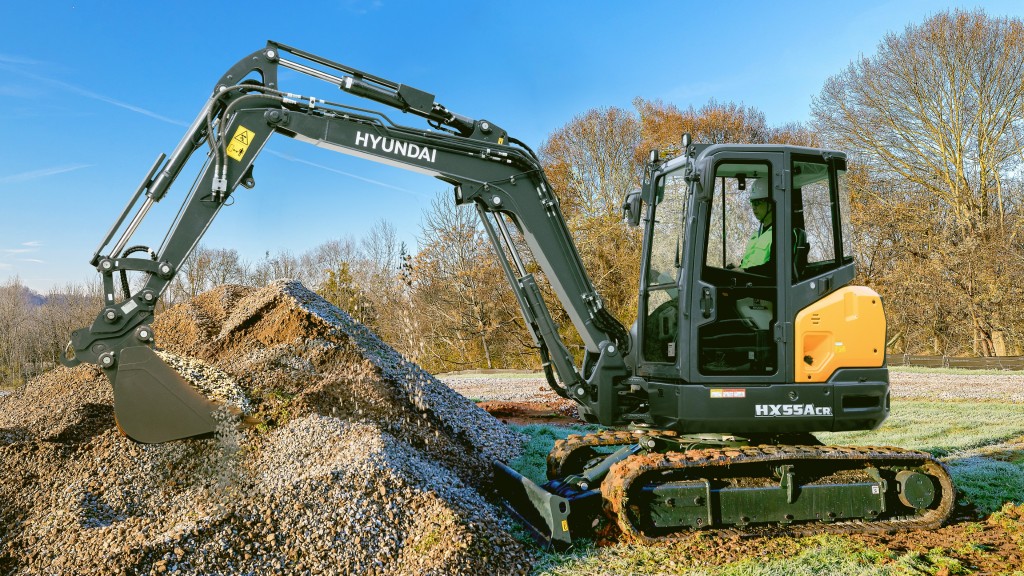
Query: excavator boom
{"type": "Point", "coordinates": [502, 178]}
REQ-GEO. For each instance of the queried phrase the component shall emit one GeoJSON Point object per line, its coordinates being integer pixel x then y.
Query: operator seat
{"type": "Point", "coordinates": [801, 250]}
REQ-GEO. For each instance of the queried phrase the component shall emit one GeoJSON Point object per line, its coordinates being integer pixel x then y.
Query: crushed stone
{"type": "Point", "coordinates": [351, 459]}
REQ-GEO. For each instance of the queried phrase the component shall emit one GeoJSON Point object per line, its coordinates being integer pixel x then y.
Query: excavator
{"type": "Point", "coordinates": [707, 403]}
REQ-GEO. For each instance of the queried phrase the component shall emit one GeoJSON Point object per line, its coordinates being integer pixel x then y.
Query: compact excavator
{"type": "Point", "coordinates": [709, 400]}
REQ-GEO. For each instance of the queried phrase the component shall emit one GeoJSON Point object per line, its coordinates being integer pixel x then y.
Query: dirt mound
{"type": "Point", "coordinates": [356, 461]}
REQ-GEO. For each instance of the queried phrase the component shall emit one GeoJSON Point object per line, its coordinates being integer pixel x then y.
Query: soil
{"type": "Point", "coordinates": [990, 545]}
{"type": "Point", "coordinates": [555, 413]}
{"type": "Point", "coordinates": [987, 546]}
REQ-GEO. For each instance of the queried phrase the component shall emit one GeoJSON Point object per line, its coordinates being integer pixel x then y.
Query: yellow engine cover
{"type": "Point", "coordinates": [845, 329]}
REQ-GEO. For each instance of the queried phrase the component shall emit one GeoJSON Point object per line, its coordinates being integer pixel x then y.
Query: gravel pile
{"type": "Point", "coordinates": [502, 387]}
{"type": "Point", "coordinates": [351, 460]}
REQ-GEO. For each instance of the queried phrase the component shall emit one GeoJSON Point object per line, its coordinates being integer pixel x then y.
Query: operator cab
{"type": "Point", "coordinates": [739, 239]}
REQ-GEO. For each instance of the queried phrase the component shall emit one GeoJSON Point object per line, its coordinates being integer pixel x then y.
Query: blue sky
{"type": "Point", "coordinates": [92, 92]}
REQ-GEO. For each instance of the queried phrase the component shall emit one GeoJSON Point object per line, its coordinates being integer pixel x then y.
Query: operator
{"type": "Point", "coordinates": [758, 257]}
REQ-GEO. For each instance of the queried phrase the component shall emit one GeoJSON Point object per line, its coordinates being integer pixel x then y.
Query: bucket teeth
{"type": "Point", "coordinates": [153, 403]}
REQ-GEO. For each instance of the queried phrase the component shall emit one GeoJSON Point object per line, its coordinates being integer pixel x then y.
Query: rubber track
{"type": "Point", "coordinates": [564, 449]}
{"type": "Point", "coordinates": [616, 486]}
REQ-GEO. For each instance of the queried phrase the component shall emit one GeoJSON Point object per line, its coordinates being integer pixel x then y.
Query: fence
{"type": "Point", "coordinates": [974, 363]}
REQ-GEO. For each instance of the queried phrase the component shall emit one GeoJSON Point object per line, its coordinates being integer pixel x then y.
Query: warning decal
{"type": "Point", "coordinates": [728, 393]}
{"type": "Point", "coordinates": [240, 142]}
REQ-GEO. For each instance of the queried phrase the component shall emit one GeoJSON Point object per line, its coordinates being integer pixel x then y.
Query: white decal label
{"type": "Point", "coordinates": [396, 147]}
{"type": "Point", "coordinates": [790, 410]}
{"type": "Point", "coordinates": [129, 307]}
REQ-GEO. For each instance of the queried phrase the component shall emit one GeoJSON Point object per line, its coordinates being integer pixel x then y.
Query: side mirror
{"type": "Point", "coordinates": [631, 208]}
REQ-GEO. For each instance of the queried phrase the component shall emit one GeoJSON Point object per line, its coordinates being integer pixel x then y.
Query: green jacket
{"type": "Point", "coordinates": [759, 249]}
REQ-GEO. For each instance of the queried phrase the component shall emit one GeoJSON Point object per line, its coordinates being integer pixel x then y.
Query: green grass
{"type": "Point", "coordinates": [988, 483]}
{"type": "Point", "coordinates": [940, 428]}
{"type": "Point", "coordinates": [532, 463]}
{"type": "Point", "coordinates": [814, 556]}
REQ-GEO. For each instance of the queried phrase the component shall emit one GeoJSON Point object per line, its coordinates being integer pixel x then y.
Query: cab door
{"type": "Point", "coordinates": [660, 326]}
{"type": "Point", "coordinates": [736, 304]}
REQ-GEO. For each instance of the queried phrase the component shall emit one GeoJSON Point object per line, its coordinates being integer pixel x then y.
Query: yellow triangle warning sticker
{"type": "Point", "coordinates": [240, 142]}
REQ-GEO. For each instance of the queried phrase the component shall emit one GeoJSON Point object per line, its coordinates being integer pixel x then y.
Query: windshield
{"type": "Point", "coordinates": [667, 240]}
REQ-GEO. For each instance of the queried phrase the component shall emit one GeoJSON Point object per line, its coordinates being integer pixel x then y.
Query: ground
{"type": "Point", "coordinates": [985, 540]}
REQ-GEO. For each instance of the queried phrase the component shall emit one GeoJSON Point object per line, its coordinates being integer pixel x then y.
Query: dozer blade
{"type": "Point", "coordinates": [153, 403]}
{"type": "Point", "coordinates": [552, 519]}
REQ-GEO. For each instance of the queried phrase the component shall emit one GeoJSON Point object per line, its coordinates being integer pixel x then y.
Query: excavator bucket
{"type": "Point", "coordinates": [153, 403]}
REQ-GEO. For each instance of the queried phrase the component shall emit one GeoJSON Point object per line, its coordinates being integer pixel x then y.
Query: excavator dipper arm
{"type": "Point", "coordinates": [501, 178]}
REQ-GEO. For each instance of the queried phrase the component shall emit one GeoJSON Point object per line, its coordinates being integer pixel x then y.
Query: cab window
{"type": "Point", "coordinates": [816, 202]}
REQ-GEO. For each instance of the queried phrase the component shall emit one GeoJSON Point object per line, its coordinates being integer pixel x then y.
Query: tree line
{"type": "Point", "coordinates": [34, 329]}
{"type": "Point", "coordinates": [933, 123]}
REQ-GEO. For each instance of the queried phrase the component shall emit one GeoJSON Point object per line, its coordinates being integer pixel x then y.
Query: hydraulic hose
{"type": "Point", "coordinates": [124, 273]}
{"type": "Point", "coordinates": [550, 374]}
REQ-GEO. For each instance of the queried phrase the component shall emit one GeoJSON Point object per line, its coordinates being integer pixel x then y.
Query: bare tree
{"type": "Point", "coordinates": [226, 267]}
{"type": "Point", "coordinates": [936, 118]}
{"type": "Point", "coordinates": [34, 329]}
{"type": "Point", "coordinates": [65, 309]}
{"type": "Point", "coordinates": [14, 332]}
{"type": "Point", "coordinates": [282, 265]}
{"type": "Point", "coordinates": [713, 123]}
{"type": "Point", "coordinates": [317, 262]}
{"type": "Point", "coordinates": [386, 286]}
{"type": "Point", "coordinates": [457, 290]}
{"type": "Point", "coordinates": [383, 253]}
{"type": "Point", "coordinates": [591, 161]}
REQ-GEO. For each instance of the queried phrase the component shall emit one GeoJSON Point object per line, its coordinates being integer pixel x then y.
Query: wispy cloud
{"type": "Point", "coordinates": [19, 253]}
{"type": "Point", "coordinates": [19, 60]}
{"type": "Point", "coordinates": [697, 91]}
{"type": "Point", "coordinates": [343, 173]}
{"type": "Point", "coordinates": [41, 173]}
{"type": "Point", "coordinates": [118, 103]}
{"type": "Point", "coordinates": [14, 63]}
{"type": "Point", "coordinates": [361, 7]}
